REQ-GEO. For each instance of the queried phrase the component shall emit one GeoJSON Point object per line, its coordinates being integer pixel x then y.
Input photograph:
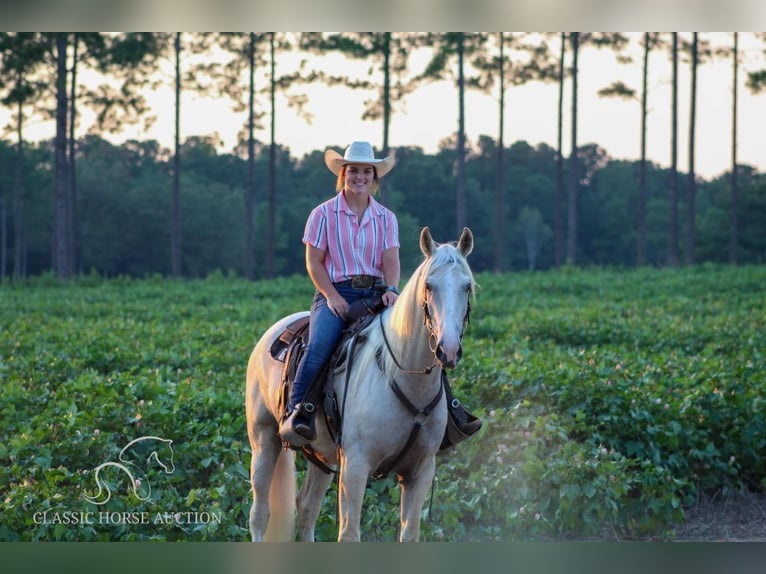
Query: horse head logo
{"type": "Point", "coordinates": [159, 451]}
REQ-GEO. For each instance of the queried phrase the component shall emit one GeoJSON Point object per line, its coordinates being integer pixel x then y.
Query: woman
{"type": "Point", "coordinates": [352, 251]}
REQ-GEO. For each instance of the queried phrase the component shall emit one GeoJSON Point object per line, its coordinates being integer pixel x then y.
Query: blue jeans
{"type": "Point", "coordinates": [324, 333]}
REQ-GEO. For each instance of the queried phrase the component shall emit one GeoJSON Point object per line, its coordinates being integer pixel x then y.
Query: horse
{"type": "Point", "coordinates": [163, 451]}
{"type": "Point", "coordinates": [392, 405]}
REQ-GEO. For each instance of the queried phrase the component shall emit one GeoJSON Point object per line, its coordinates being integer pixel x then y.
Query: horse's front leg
{"type": "Point", "coordinates": [352, 481]}
{"type": "Point", "coordinates": [414, 492]}
{"type": "Point", "coordinates": [309, 500]}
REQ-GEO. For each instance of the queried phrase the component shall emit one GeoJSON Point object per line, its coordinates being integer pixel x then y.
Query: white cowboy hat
{"type": "Point", "coordinates": [358, 152]}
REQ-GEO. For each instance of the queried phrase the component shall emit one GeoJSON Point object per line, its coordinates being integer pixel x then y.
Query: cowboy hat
{"type": "Point", "coordinates": [358, 152]}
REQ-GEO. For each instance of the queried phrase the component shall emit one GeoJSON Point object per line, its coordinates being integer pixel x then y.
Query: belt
{"type": "Point", "coordinates": [362, 281]}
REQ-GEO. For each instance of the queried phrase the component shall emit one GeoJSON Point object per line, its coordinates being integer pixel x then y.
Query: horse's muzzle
{"type": "Point", "coordinates": [448, 358]}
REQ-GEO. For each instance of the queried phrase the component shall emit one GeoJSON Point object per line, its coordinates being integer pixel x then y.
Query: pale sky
{"type": "Point", "coordinates": [430, 113]}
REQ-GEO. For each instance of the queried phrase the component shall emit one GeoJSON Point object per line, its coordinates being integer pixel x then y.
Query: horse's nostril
{"type": "Point", "coordinates": [445, 361]}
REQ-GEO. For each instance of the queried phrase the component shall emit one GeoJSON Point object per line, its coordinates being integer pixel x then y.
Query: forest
{"type": "Point", "coordinates": [80, 204]}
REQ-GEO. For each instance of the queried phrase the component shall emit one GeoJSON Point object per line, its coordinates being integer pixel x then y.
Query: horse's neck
{"type": "Point", "coordinates": [415, 357]}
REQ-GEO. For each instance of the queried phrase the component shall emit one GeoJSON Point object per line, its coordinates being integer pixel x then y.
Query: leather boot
{"type": "Point", "coordinates": [460, 423]}
{"type": "Point", "coordinates": [297, 429]}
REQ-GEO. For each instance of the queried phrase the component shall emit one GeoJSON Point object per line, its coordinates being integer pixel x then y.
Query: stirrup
{"type": "Point", "coordinates": [461, 424]}
{"type": "Point", "coordinates": [297, 428]}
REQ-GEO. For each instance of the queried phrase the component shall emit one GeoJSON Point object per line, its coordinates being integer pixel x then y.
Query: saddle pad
{"type": "Point", "coordinates": [282, 343]}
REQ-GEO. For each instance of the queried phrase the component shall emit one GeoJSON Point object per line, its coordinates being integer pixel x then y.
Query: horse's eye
{"type": "Point", "coordinates": [429, 288]}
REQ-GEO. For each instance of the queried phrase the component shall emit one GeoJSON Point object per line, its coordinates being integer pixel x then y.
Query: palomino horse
{"type": "Point", "coordinates": [391, 401]}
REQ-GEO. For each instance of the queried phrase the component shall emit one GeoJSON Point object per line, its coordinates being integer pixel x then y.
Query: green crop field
{"type": "Point", "coordinates": [611, 399]}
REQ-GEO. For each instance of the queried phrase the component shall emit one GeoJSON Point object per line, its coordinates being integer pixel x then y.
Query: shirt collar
{"type": "Point", "coordinates": [341, 205]}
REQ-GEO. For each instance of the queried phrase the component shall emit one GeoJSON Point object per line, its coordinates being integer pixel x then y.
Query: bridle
{"type": "Point", "coordinates": [432, 338]}
{"type": "Point", "coordinates": [425, 371]}
{"type": "Point", "coordinates": [428, 322]}
{"type": "Point", "coordinates": [420, 415]}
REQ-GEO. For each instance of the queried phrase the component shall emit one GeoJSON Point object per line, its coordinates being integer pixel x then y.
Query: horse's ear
{"type": "Point", "coordinates": [465, 243]}
{"type": "Point", "coordinates": [427, 244]}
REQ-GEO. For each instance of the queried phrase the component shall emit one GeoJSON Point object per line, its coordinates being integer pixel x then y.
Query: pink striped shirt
{"type": "Point", "coordinates": [351, 247]}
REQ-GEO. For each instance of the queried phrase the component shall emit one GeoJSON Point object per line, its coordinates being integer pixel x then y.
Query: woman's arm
{"type": "Point", "coordinates": [321, 279]}
{"type": "Point", "coordinates": [391, 273]}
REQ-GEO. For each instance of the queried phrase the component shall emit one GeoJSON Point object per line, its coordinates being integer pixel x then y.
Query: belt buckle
{"type": "Point", "coordinates": [362, 281]}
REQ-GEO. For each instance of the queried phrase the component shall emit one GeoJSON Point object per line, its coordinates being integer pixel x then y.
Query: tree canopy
{"type": "Point", "coordinates": [125, 211]}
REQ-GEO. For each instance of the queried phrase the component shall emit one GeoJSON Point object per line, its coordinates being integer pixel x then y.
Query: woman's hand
{"type": "Point", "coordinates": [389, 298]}
{"type": "Point", "coordinates": [337, 304]}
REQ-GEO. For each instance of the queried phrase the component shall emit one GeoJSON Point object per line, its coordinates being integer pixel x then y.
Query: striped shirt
{"type": "Point", "coordinates": [351, 247]}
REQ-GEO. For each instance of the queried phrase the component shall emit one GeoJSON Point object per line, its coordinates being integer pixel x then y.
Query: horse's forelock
{"type": "Point", "coordinates": [445, 259]}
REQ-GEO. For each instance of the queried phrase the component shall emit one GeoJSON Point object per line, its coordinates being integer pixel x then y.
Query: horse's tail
{"type": "Point", "coordinates": [281, 526]}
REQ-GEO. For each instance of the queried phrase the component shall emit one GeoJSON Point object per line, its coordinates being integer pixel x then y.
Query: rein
{"type": "Point", "coordinates": [425, 371]}
{"type": "Point", "coordinates": [428, 322]}
{"type": "Point", "coordinates": [419, 416]}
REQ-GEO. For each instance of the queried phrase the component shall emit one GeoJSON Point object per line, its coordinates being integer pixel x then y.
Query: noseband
{"type": "Point", "coordinates": [429, 324]}
{"type": "Point", "coordinates": [432, 338]}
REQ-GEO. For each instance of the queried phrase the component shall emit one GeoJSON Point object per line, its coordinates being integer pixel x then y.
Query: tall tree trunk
{"type": "Point", "coordinates": [734, 224]}
{"type": "Point", "coordinates": [691, 190]}
{"type": "Point", "coordinates": [250, 191]}
{"type": "Point", "coordinates": [3, 239]}
{"type": "Point", "coordinates": [272, 169]}
{"type": "Point", "coordinates": [500, 171]}
{"type": "Point", "coordinates": [72, 187]}
{"type": "Point", "coordinates": [673, 230]}
{"type": "Point", "coordinates": [559, 203]}
{"type": "Point", "coordinates": [573, 175]}
{"type": "Point", "coordinates": [60, 247]}
{"type": "Point", "coordinates": [386, 103]}
{"type": "Point", "coordinates": [176, 238]}
{"type": "Point", "coordinates": [460, 195]}
{"type": "Point", "coordinates": [641, 256]}
{"type": "Point", "coordinates": [19, 197]}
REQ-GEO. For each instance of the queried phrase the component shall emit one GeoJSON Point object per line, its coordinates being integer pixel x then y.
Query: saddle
{"type": "Point", "coordinates": [289, 347]}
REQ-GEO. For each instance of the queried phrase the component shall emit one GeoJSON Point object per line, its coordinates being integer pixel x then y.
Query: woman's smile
{"type": "Point", "coordinates": [359, 178]}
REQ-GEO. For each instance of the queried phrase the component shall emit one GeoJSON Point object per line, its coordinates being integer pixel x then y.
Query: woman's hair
{"type": "Point", "coordinates": [342, 176]}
